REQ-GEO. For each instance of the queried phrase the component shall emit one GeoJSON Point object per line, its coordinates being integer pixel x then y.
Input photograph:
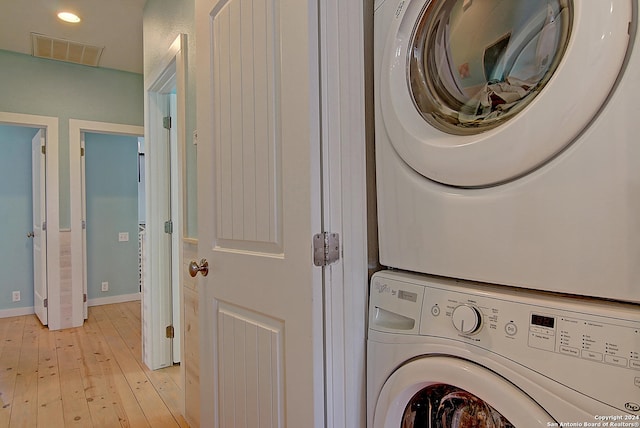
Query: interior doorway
{"type": "Point", "coordinates": [49, 307]}
{"type": "Point", "coordinates": [121, 238]}
{"type": "Point", "coordinates": [165, 145]}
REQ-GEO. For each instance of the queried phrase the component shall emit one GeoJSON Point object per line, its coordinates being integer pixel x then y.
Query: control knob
{"type": "Point", "coordinates": [466, 319]}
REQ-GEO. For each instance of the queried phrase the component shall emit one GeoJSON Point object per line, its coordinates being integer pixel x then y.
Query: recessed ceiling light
{"type": "Point", "coordinates": [69, 17]}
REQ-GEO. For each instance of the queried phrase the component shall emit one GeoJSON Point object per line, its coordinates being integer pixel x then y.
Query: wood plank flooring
{"type": "Point", "coordinates": [91, 376]}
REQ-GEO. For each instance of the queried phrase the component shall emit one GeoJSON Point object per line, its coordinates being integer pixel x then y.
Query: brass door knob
{"type": "Point", "coordinates": [203, 268]}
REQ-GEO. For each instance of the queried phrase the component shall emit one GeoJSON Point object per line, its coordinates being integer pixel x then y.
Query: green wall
{"type": "Point", "coordinates": [44, 87]}
{"type": "Point", "coordinates": [111, 165]}
{"type": "Point", "coordinates": [163, 21]}
{"type": "Point", "coordinates": [16, 250]}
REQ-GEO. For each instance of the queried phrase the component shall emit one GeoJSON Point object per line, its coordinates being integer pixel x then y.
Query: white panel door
{"type": "Point", "coordinates": [259, 203]}
{"type": "Point", "coordinates": [39, 226]}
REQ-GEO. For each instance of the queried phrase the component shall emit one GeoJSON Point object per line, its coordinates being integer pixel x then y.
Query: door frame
{"type": "Point", "coordinates": [50, 126]}
{"type": "Point", "coordinates": [78, 207]}
{"type": "Point", "coordinates": [343, 102]}
{"type": "Point", "coordinates": [156, 314]}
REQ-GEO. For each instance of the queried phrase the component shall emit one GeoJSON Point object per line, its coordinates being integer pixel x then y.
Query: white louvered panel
{"type": "Point", "coordinates": [246, 123]}
{"type": "Point", "coordinates": [250, 374]}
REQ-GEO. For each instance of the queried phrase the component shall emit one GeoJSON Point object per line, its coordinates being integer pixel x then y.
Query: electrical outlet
{"type": "Point", "coordinates": [105, 286]}
{"type": "Point", "coordinates": [123, 236]}
{"type": "Point", "coordinates": [15, 296]}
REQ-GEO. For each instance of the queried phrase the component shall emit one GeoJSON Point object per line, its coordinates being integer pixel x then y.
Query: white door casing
{"type": "Point", "coordinates": [56, 319]}
{"type": "Point", "coordinates": [77, 128]}
{"type": "Point", "coordinates": [163, 250]}
{"type": "Point", "coordinates": [39, 233]}
{"type": "Point", "coordinates": [259, 203]}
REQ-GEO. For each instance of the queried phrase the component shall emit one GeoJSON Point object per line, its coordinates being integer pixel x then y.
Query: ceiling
{"type": "Point", "coordinates": [115, 25]}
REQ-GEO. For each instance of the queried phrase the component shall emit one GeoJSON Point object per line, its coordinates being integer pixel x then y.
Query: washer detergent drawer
{"type": "Point", "coordinates": [395, 307]}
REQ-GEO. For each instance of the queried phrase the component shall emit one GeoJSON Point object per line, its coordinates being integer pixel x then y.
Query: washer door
{"type": "Point", "coordinates": [476, 93]}
{"type": "Point", "coordinates": [447, 392]}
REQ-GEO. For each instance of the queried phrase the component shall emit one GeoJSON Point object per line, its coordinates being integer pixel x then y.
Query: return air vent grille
{"type": "Point", "coordinates": [65, 50]}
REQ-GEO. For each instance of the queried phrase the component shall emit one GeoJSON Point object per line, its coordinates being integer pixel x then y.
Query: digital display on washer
{"type": "Point", "coordinates": [406, 295]}
{"type": "Point", "coordinates": [542, 321]}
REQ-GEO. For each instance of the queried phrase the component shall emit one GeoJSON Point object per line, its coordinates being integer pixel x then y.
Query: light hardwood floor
{"type": "Point", "coordinates": [91, 376]}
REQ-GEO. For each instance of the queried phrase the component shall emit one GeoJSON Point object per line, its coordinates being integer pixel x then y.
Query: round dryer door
{"type": "Point", "coordinates": [448, 392]}
{"type": "Point", "coordinates": [476, 93]}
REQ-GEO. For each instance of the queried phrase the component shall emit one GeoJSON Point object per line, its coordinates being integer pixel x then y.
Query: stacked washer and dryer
{"type": "Point", "coordinates": [508, 176]}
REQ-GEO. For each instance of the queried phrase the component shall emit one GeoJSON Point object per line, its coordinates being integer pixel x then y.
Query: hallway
{"type": "Point", "coordinates": [90, 376]}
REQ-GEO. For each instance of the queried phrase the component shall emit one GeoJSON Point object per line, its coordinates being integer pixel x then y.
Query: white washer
{"type": "Point", "coordinates": [507, 146]}
{"type": "Point", "coordinates": [442, 350]}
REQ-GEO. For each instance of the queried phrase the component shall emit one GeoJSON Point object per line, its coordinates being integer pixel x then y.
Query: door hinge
{"type": "Point", "coordinates": [326, 248]}
{"type": "Point", "coordinates": [166, 122]}
{"type": "Point", "coordinates": [84, 224]}
{"type": "Point", "coordinates": [84, 297]}
{"type": "Point", "coordinates": [44, 225]}
{"type": "Point", "coordinates": [81, 151]}
{"type": "Point", "coordinates": [43, 149]}
{"type": "Point", "coordinates": [46, 303]}
{"type": "Point", "coordinates": [170, 332]}
{"type": "Point", "coordinates": [168, 226]}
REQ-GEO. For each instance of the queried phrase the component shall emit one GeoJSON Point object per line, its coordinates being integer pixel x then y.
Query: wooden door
{"type": "Point", "coordinates": [259, 204]}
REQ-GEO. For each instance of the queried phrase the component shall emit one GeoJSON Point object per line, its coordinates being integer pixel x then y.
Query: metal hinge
{"type": "Point", "coordinates": [170, 332]}
{"type": "Point", "coordinates": [166, 122]}
{"type": "Point", "coordinates": [84, 297]}
{"type": "Point", "coordinates": [43, 149]}
{"type": "Point", "coordinates": [46, 303]}
{"type": "Point", "coordinates": [168, 226]}
{"type": "Point", "coordinates": [44, 225]}
{"type": "Point", "coordinates": [84, 224]}
{"type": "Point", "coordinates": [81, 151]}
{"type": "Point", "coordinates": [326, 248]}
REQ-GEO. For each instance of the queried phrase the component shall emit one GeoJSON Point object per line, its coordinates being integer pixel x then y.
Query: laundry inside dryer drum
{"type": "Point", "coordinates": [445, 406]}
{"type": "Point", "coordinates": [473, 65]}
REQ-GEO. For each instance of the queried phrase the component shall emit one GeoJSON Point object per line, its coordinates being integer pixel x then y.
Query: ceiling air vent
{"type": "Point", "coordinates": [65, 50]}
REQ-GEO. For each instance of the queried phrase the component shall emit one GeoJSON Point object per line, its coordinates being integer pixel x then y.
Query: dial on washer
{"type": "Point", "coordinates": [466, 319]}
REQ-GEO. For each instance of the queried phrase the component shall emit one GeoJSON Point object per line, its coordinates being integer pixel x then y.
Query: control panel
{"type": "Point", "coordinates": [590, 345]}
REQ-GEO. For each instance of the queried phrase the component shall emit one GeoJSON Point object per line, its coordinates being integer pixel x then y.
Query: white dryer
{"type": "Point", "coordinates": [444, 353]}
{"type": "Point", "coordinates": [507, 147]}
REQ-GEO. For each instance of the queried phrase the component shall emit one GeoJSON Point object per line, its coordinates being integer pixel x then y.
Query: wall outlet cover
{"type": "Point", "coordinates": [123, 236]}
{"type": "Point", "coordinates": [15, 296]}
{"type": "Point", "coordinates": [105, 286]}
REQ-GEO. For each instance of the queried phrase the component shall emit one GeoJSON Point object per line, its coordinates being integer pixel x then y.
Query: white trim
{"type": "Point", "coordinates": [50, 125]}
{"type": "Point", "coordinates": [115, 299]}
{"type": "Point", "coordinates": [168, 73]}
{"type": "Point", "coordinates": [78, 256]}
{"type": "Point", "coordinates": [17, 312]}
{"type": "Point", "coordinates": [344, 188]}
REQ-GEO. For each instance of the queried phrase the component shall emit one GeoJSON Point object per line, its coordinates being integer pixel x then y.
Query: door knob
{"type": "Point", "coordinates": [203, 268]}
{"type": "Point", "coordinates": [30, 235]}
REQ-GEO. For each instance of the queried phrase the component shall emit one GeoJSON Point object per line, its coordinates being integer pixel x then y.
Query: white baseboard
{"type": "Point", "coordinates": [17, 312]}
{"type": "Point", "coordinates": [114, 299]}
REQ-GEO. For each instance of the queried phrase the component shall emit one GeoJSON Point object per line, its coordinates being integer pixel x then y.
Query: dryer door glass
{"type": "Point", "coordinates": [445, 406]}
{"type": "Point", "coordinates": [474, 64]}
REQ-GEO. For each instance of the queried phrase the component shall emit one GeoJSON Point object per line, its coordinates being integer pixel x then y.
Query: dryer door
{"type": "Point", "coordinates": [447, 392]}
{"type": "Point", "coordinates": [476, 93]}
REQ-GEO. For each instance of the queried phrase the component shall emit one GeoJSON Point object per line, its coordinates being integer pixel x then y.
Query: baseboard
{"type": "Point", "coordinates": [114, 299]}
{"type": "Point", "coordinates": [17, 312]}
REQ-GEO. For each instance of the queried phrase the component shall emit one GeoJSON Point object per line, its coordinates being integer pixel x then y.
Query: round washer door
{"type": "Point", "coordinates": [449, 392]}
{"type": "Point", "coordinates": [475, 93]}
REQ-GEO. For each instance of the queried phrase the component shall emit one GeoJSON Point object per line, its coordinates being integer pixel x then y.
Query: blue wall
{"type": "Point", "coordinates": [111, 164]}
{"type": "Point", "coordinates": [45, 87]}
{"type": "Point", "coordinates": [16, 250]}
